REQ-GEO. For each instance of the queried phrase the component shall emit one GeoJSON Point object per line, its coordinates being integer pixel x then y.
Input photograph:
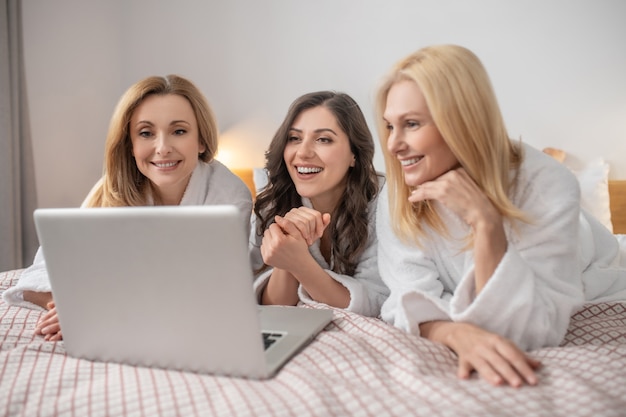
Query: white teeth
{"type": "Point", "coordinates": [308, 170]}
{"type": "Point", "coordinates": [411, 161]}
{"type": "Point", "coordinates": [166, 164]}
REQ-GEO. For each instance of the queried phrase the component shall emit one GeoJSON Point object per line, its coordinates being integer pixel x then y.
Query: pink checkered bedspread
{"type": "Point", "coordinates": [357, 366]}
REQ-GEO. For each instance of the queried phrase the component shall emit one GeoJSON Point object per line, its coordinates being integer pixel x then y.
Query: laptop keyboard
{"type": "Point", "coordinates": [269, 338]}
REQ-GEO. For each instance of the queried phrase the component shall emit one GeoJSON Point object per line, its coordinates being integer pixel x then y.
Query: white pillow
{"type": "Point", "coordinates": [594, 190]}
{"type": "Point", "coordinates": [260, 178]}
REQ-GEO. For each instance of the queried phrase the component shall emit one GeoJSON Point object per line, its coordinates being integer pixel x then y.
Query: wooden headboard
{"type": "Point", "coordinates": [247, 176]}
{"type": "Point", "coordinates": [617, 193]}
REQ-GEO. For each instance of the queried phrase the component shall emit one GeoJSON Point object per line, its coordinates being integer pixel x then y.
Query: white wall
{"type": "Point", "coordinates": [558, 68]}
{"type": "Point", "coordinates": [73, 61]}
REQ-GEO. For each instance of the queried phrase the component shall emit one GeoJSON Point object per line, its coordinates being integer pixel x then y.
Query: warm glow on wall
{"type": "Point", "coordinates": [225, 156]}
{"type": "Point", "coordinates": [243, 145]}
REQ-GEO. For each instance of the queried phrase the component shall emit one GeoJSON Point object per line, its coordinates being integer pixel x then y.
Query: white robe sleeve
{"type": "Point", "coordinates": [33, 278]}
{"type": "Point", "coordinates": [603, 261]}
{"type": "Point", "coordinates": [417, 295]}
{"type": "Point", "coordinates": [537, 285]}
{"type": "Point", "coordinates": [534, 289]}
{"type": "Point", "coordinates": [367, 291]}
{"type": "Point", "coordinates": [213, 183]}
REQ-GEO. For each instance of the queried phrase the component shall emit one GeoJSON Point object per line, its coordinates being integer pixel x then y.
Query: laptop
{"type": "Point", "coordinates": [167, 287]}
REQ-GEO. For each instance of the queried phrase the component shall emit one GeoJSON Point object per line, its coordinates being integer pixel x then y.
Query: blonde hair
{"type": "Point", "coordinates": [465, 110]}
{"type": "Point", "coordinates": [122, 183]}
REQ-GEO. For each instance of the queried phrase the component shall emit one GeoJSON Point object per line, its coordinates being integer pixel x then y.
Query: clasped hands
{"type": "Point", "coordinates": [286, 240]}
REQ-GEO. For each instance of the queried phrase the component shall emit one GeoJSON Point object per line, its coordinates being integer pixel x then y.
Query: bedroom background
{"type": "Point", "coordinates": [557, 67]}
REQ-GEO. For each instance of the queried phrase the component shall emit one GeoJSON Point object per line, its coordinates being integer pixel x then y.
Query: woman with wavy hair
{"type": "Point", "coordinates": [313, 237]}
{"type": "Point", "coordinates": [159, 151]}
{"type": "Point", "coordinates": [482, 242]}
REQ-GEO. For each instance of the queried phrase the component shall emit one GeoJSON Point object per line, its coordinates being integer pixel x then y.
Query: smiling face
{"type": "Point", "coordinates": [413, 137]}
{"type": "Point", "coordinates": [318, 157]}
{"type": "Point", "coordinates": [166, 143]}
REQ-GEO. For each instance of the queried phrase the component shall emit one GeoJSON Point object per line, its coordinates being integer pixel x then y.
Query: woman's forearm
{"type": "Point", "coordinates": [438, 331]}
{"type": "Point", "coordinates": [321, 286]}
{"type": "Point", "coordinates": [39, 298]}
{"type": "Point", "coordinates": [490, 245]}
{"type": "Point", "coordinates": [281, 289]}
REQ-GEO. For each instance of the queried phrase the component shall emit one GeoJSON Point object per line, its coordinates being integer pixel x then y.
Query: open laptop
{"type": "Point", "coordinates": [168, 287]}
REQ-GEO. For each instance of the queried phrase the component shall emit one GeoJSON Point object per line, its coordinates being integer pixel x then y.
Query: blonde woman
{"type": "Point", "coordinates": [481, 239]}
{"type": "Point", "coordinates": [159, 151]}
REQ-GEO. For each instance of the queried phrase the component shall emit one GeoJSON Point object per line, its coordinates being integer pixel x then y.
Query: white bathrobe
{"type": "Point", "coordinates": [367, 291]}
{"type": "Point", "coordinates": [551, 266]}
{"type": "Point", "coordinates": [210, 184]}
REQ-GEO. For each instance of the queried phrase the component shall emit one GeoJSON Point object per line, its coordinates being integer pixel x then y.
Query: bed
{"type": "Point", "coordinates": [357, 366]}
